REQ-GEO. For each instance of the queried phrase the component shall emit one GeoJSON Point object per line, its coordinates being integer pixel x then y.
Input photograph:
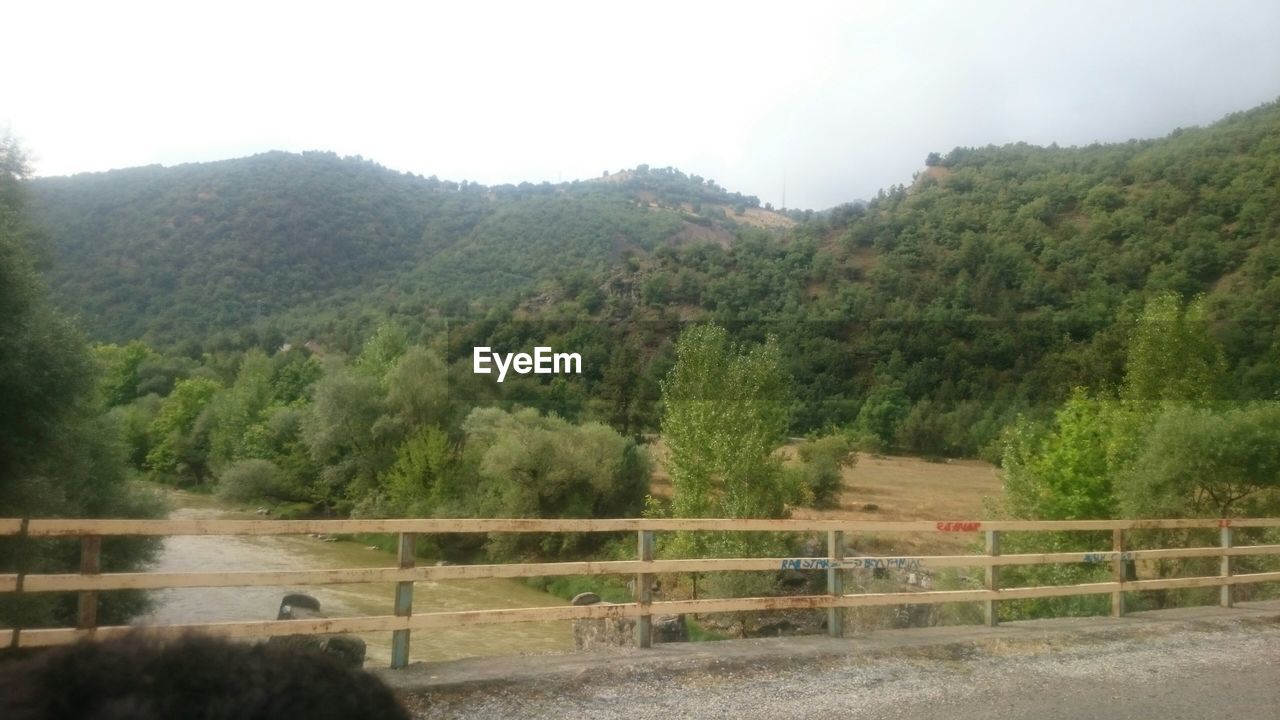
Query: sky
{"type": "Point", "coordinates": [806, 105]}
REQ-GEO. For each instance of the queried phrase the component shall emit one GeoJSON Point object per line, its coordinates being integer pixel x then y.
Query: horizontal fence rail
{"type": "Point", "coordinates": [90, 581]}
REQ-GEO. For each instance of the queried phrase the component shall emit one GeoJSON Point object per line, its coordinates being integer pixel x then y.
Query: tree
{"type": "Point", "coordinates": [532, 465]}
{"type": "Point", "coordinates": [1163, 446]}
{"type": "Point", "coordinates": [726, 409]}
{"type": "Point", "coordinates": [344, 435]}
{"type": "Point", "coordinates": [821, 460]}
{"type": "Point", "coordinates": [122, 370]}
{"type": "Point", "coordinates": [57, 457]}
{"type": "Point", "coordinates": [1063, 471]}
{"type": "Point", "coordinates": [45, 371]}
{"type": "Point", "coordinates": [181, 449]}
{"type": "Point", "coordinates": [419, 482]}
{"type": "Point", "coordinates": [1199, 462]}
{"type": "Point", "coordinates": [1172, 356]}
{"type": "Point", "coordinates": [237, 413]}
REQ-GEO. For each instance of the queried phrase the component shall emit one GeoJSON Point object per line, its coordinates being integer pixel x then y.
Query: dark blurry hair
{"type": "Point", "coordinates": [203, 678]}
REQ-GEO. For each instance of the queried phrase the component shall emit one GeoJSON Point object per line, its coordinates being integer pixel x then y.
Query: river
{"type": "Point", "coordinates": [209, 553]}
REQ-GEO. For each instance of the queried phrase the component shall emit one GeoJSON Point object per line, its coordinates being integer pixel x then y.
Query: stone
{"type": "Point", "coordinates": [298, 606]}
{"type": "Point", "coordinates": [598, 633]}
{"type": "Point", "coordinates": [670, 628]}
{"type": "Point", "coordinates": [586, 598]}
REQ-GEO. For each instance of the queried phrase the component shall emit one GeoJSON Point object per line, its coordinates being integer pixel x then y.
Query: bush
{"type": "Point", "coordinates": [246, 480]}
{"type": "Point", "coordinates": [823, 460]}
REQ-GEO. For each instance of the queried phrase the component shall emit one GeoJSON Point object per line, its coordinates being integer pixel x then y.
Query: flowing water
{"type": "Point", "coordinates": [211, 553]}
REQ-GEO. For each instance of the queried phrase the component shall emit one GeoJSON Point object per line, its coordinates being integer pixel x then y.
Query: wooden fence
{"type": "Point", "coordinates": [90, 580]}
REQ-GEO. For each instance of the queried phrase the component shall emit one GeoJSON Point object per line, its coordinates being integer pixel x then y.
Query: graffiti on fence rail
{"type": "Point", "coordinates": [862, 563]}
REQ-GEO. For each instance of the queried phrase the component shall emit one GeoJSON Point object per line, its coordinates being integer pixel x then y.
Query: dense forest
{"type": "Point", "coordinates": [253, 251]}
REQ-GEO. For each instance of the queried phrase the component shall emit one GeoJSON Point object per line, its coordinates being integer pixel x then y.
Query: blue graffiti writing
{"type": "Point", "coordinates": [862, 563]}
{"type": "Point", "coordinates": [1107, 557]}
{"type": "Point", "coordinates": [806, 564]}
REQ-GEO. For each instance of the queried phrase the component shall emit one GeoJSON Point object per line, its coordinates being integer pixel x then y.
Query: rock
{"type": "Point", "coordinates": [297, 606]}
{"type": "Point", "coordinates": [670, 628]}
{"type": "Point", "coordinates": [597, 633]}
{"type": "Point", "coordinates": [601, 633]}
{"type": "Point", "coordinates": [870, 507]}
{"type": "Point", "coordinates": [348, 648]}
{"type": "Point", "coordinates": [586, 598]}
{"type": "Point", "coordinates": [443, 563]}
{"type": "Point", "coordinates": [262, 511]}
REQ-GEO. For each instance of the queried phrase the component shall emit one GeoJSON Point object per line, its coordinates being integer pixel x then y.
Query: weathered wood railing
{"type": "Point", "coordinates": [90, 580]}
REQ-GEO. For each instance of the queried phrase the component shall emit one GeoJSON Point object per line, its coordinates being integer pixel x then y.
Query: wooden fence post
{"type": "Point", "coordinates": [90, 564]}
{"type": "Point", "coordinates": [835, 582]}
{"type": "Point", "coordinates": [1117, 572]}
{"type": "Point", "coordinates": [1224, 593]}
{"type": "Point", "coordinates": [992, 579]}
{"type": "Point", "coordinates": [644, 591]}
{"type": "Point", "coordinates": [404, 602]}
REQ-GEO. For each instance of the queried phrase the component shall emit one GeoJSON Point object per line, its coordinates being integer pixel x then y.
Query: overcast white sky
{"type": "Point", "coordinates": [830, 100]}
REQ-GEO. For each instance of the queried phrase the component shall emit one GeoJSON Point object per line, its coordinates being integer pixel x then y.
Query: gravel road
{"type": "Point", "coordinates": [1225, 673]}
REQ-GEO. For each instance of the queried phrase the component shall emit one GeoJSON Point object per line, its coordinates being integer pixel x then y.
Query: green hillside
{"type": "Point", "coordinates": [998, 279]}
{"type": "Point", "coordinates": [927, 319]}
{"type": "Point", "coordinates": [282, 245]}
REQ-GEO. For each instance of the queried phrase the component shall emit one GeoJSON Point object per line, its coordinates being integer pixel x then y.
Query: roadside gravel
{"type": "Point", "coordinates": [1231, 672]}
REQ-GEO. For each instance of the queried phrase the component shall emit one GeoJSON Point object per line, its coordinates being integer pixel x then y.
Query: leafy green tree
{"type": "Point", "coordinates": [57, 458]}
{"type": "Point", "coordinates": [133, 425]}
{"type": "Point", "coordinates": [181, 449]}
{"type": "Point", "coordinates": [822, 460]}
{"type": "Point", "coordinates": [255, 479]}
{"type": "Point", "coordinates": [382, 350]}
{"type": "Point", "coordinates": [418, 389]}
{"type": "Point", "coordinates": [1172, 356]}
{"type": "Point", "coordinates": [532, 465]}
{"type": "Point", "coordinates": [122, 370]}
{"type": "Point", "coordinates": [725, 413]}
{"type": "Point", "coordinates": [237, 413]}
{"type": "Point", "coordinates": [425, 479]}
{"type": "Point", "coordinates": [884, 408]}
{"type": "Point", "coordinates": [1199, 462]}
{"type": "Point", "coordinates": [1167, 447]}
{"type": "Point", "coordinates": [45, 372]}
{"type": "Point", "coordinates": [345, 435]}
{"type": "Point", "coordinates": [1064, 471]}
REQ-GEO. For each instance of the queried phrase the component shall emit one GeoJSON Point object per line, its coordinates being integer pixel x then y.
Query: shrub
{"type": "Point", "coordinates": [255, 479]}
{"type": "Point", "coordinates": [823, 460]}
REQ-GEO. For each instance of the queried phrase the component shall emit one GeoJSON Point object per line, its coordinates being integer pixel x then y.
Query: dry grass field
{"type": "Point", "coordinates": [887, 487]}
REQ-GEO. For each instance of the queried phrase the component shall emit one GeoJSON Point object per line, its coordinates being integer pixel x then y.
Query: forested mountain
{"type": "Point", "coordinates": [255, 250]}
{"type": "Point", "coordinates": [997, 280]}
{"type": "Point", "coordinates": [927, 319]}
{"type": "Point", "coordinates": [298, 330]}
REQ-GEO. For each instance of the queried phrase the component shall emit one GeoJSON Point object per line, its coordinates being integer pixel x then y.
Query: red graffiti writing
{"type": "Point", "coordinates": [957, 526]}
